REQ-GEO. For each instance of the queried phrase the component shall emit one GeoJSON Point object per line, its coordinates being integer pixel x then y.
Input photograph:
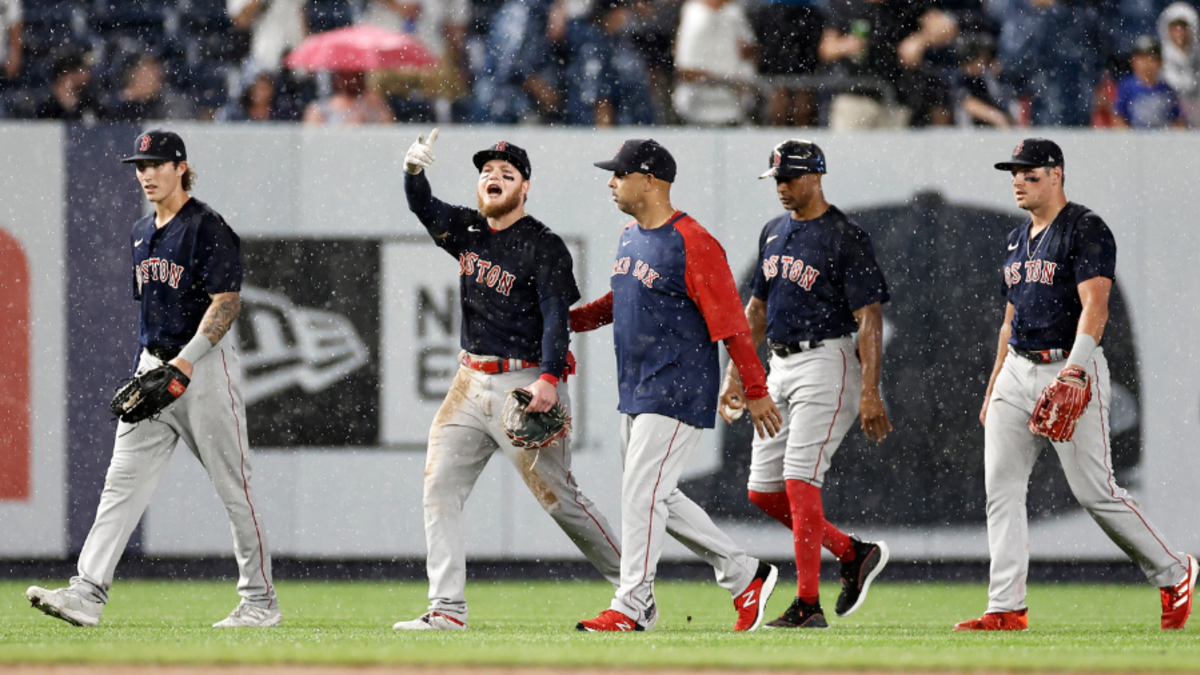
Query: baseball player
{"type": "Point", "coordinates": [516, 285]}
{"type": "Point", "coordinates": [816, 283]}
{"type": "Point", "coordinates": [673, 298]}
{"type": "Point", "coordinates": [187, 275]}
{"type": "Point", "coordinates": [1058, 273]}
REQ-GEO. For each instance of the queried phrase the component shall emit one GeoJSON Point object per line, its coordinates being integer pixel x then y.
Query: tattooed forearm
{"type": "Point", "coordinates": [220, 315]}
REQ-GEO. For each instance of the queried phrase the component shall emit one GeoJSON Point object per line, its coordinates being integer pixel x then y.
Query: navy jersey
{"type": "Point", "coordinates": [1041, 277]}
{"type": "Point", "coordinates": [508, 280]}
{"type": "Point", "coordinates": [814, 274]}
{"type": "Point", "coordinates": [673, 299]}
{"type": "Point", "coordinates": [175, 269]}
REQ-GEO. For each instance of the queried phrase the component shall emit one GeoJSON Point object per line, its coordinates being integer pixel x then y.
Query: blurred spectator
{"type": "Point", "coordinates": [652, 33]}
{"type": "Point", "coordinates": [1052, 53]}
{"type": "Point", "coordinates": [70, 95]}
{"type": "Point", "coordinates": [441, 25]}
{"type": "Point", "coordinates": [11, 46]}
{"type": "Point", "coordinates": [715, 53]}
{"type": "Point", "coordinates": [789, 34]}
{"type": "Point", "coordinates": [257, 103]}
{"type": "Point", "coordinates": [1179, 33]}
{"type": "Point", "coordinates": [1143, 100]}
{"type": "Point", "coordinates": [516, 78]}
{"type": "Point", "coordinates": [607, 79]}
{"type": "Point", "coordinates": [980, 96]}
{"type": "Point", "coordinates": [352, 103]}
{"type": "Point", "coordinates": [145, 95]}
{"type": "Point", "coordinates": [275, 27]}
{"type": "Point", "coordinates": [887, 39]}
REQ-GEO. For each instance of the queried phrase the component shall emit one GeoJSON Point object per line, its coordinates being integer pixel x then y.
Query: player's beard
{"type": "Point", "coordinates": [499, 209]}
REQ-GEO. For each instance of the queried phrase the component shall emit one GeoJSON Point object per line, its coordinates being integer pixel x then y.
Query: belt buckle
{"type": "Point", "coordinates": [780, 349]}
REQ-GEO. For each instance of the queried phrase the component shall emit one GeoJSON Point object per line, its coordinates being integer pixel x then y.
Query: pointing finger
{"type": "Point", "coordinates": [433, 136]}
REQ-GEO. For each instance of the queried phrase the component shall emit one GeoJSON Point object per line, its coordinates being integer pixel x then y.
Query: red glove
{"type": "Point", "coordinates": [1061, 404]}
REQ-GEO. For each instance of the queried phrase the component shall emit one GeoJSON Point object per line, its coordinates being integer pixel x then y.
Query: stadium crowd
{"type": "Point", "coordinates": [843, 64]}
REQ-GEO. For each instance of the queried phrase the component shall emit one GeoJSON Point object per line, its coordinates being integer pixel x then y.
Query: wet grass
{"type": "Point", "coordinates": [903, 626]}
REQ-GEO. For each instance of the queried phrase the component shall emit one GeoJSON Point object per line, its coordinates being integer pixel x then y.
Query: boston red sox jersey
{"type": "Point", "coordinates": [508, 280]}
{"type": "Point", "coordinates": [814, 274]}
{"type": "Point", "coordinates": [175, 269]}
{"type": "Point", "coordinates": [674, 298]}
{"type": "Point", "coordinates": [1041, 276]}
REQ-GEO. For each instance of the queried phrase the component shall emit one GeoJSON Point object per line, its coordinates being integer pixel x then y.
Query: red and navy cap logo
{"type": "Point", "coordinates": [1017, 150]}
{"type": "Point", "coordinates": [145, 145]}
{"type": "Point", "coordinates": [776, 159]}
{"type": "Point", "coordinates": [502, 146]}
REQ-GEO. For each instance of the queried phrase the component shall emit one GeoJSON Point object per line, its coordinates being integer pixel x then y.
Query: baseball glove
{"type": "Point", "coordinates": [533, 430]}
{"type": "Point", "coordinates": [148, 394]}
{"type": "Point", "coordinates": [1061, 404]}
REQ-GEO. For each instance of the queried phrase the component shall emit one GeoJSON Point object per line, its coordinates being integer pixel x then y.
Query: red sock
{"type": "Point", "coordinates": [774, 504]}
{"type": "Point", "coordinates": [838, 543]}
{"type": "Point", "coordinates": [808, 528]}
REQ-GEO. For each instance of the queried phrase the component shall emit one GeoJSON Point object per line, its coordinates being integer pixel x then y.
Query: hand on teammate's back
{"type": "Point", "coordinates": [766, 417]}
{"type": "Point", "coordinates": [420, 153]}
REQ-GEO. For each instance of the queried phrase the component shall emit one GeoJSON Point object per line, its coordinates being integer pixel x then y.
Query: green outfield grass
{"type": "Point", "coordinates": [902, 626]}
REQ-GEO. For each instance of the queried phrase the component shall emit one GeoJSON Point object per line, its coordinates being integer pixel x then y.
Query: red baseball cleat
{"type": "Point", "coordinates": [751, 604]}
{"type": "Point", "coordinates": [997, 621]}
{"type": "Point", "coordinates": [611, 621]}
{"type": "Point", "coordinates": [1177, 599]}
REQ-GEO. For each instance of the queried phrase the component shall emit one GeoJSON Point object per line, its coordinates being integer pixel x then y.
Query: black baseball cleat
{"type": "Point", "coordinates": [801, 615]}
{"type": "Point", "coordinates": [869, 560]}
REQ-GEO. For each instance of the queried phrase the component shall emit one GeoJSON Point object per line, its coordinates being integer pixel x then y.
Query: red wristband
{"type": "Point", "coordinates": [547, 377]}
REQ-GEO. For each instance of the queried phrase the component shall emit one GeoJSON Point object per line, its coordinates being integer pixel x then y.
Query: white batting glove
{"type": "Point", "coordinates": [420, 155]}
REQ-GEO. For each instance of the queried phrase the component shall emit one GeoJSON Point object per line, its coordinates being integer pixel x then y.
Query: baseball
{"type": "Point", "coordinates": [734, 413]}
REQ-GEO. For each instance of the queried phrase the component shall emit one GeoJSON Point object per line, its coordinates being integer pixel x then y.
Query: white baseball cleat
{"type": "Point", "coordinates": [66, 604]}
{"type": "Point", "coordinates": [251, 616]}
{"type": "Point", "coordinates": [431, 621]}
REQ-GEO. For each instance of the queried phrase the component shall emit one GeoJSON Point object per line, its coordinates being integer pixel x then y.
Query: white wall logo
{"type": "Point", "coordinates": [293, 346]}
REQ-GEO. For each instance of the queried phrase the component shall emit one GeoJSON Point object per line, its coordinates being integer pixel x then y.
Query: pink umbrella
{"type": "Point", "coordinates": [361, 48]}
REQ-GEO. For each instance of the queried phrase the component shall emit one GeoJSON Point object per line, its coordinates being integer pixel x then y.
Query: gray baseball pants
{"type": "Point", "coordinates": [655, 450]}
{"type": "Point", "coordinates": [210, 418]}
{"type": "Point", "coordinates": [465, 433]}
{"type": "Point", "coordinates": [1010, 451]}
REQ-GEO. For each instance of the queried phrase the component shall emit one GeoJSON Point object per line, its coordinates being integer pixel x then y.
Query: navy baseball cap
{"type": "Point", "coordinates": [795, 157]}
{"type": "Point", "coordinates": [640, 155]}
{"type": "Point", "coordinates": [1032, 153]}
{"type": "Point", "coordinates": [508, 152]}
{"type": "Point", "coordinates": [158, 145]}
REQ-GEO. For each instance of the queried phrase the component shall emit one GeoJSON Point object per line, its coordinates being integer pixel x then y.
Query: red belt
{"type": "Point", "coordinates": [508, 365]}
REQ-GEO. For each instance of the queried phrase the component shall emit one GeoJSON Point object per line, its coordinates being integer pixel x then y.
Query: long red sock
{"type": "Point", "coordinates": [774, 504]}
{"type": "Point", "coordinates": [777, 505]}
{"type": "Point", "coordinates": [808, 528]}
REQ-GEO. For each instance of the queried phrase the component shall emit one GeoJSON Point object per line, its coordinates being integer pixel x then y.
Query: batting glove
{"type": "Point", "coordinates": [420, 155]}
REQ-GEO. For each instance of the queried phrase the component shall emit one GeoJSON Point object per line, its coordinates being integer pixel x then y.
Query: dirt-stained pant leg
{"type": "Point", "coordinates": [1010, 451]}
{"type": "Point", "coordinates": [213, 426]}
{"type": "Point", "coordinates": [548, 476]}
{"type": "Point", "coordinates": [655, 450]}
{"type": "Point", "coordinates": [459, 449]}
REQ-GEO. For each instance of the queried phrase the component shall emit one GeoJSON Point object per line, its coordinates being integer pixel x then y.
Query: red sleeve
{"type": "Point", "coordinates": [593, 315]}
{"type": "Point", "coordinates": [710, 282]}
{"type": "Point", "coordinates": [745, 357]}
